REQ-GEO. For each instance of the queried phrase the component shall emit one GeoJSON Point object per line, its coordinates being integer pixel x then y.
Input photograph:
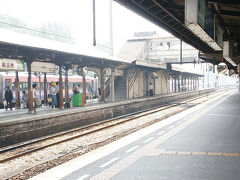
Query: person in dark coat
{"type": "Point", "coordinates": [8, 97]}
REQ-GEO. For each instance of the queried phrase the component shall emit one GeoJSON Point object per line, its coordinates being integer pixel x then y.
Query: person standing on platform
{"type": "Point", "coordinates": [57, 95]}
{"type": "Point", "coordinates": [53, 94]}
{"type": "Point", "coordinates": [79, 88]}
{"type": "Point", "coordinates": [90, 92]}
{"type": "Point", "coordinates": [34, 91]}
{"type": "Point", "coordinates": [8, 97]}
{"type": "Point", "coordinates": [75, 89]}
{"type": "Point", "coordinates": [24, 99]}
{"type": "Point", "coordinates": [99, 93]}
{"type": "Point", "coordinates": [151, 89]}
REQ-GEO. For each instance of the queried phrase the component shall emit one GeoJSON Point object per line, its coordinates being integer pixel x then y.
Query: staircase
{"type": "Point", "coordinates": [120, 88]}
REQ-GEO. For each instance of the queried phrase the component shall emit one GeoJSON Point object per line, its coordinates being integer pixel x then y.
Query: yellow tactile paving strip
{"type": "Point", "coordinates": [199, 153]}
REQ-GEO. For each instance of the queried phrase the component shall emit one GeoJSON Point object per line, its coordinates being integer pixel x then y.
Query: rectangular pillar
{"type": "Point", "coordinates": [102, 85]}
{"type": "Point", "coordinates": [192, 84]}
{"type": "Point", "coordinates": [17, 91]}
{"type": "Point", "coordinates": [30, 95]}
{"type": "Point", "coordinates": [60, 88]}
{"type": "Point", "coordinates": [112, 88]}
{"type": "Point", "coordinates": [66, 85]}
{"type": "Point", "coordinates": [45, 89]}
{"type": "Point", "coordinates": [40, 93]}
{"type": "Point", "coordinates": [127, 81]}
{"type": "Point", "coordinates": [179, 84]}
{"type": "Point", "coordinates": [175, 84]}
{"type": "Point", "coordinates": [84, 89]}
{"type": "Point", "coordinates": [239, 82]}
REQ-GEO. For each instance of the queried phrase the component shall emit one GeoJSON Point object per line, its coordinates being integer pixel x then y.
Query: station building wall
{"type": "Point", "coordinates": [135, 83]}
{"type": "Point", "coordinates": [161, 83]}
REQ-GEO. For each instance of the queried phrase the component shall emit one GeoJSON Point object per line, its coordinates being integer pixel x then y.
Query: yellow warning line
{"type": "Point", "coordinates": [201, 153]}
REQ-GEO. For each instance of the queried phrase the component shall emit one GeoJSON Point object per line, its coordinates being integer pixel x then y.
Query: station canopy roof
{"type": "Point", "coordinates": [170, 15]}
{"type": "Point", "coordinates": [26, 47]}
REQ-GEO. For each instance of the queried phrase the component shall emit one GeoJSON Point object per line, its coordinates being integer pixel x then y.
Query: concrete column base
{"type": "Point", "coordinates": [32, 112]}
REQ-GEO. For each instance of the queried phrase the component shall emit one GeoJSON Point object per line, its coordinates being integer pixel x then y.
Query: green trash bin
{"type": "Point", "coordinates": [77, 100]}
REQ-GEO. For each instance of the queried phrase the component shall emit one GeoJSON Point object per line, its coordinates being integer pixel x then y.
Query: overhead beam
{"type": "Point", "coordinates": [228, 13]}
{"type": "Point", "coordinates": [234, 2]}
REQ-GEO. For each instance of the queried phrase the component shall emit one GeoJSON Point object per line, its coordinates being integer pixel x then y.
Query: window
{"type": "Point", "coordinates": [168, 43]}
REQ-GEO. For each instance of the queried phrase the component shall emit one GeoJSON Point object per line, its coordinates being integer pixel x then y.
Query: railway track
{"type": "Point", "coordinates": [30, 147]}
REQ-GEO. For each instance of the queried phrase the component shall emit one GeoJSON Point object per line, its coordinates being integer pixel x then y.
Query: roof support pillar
{"type": "Point", "coordinates": [175, 84]}
{"type": "Point", "coordinates": [84, 89]}
{"type": "Point", "coordinates": [31, 109]}
{"type": "Point", "coordinates": [66, 85]}
{"type": "Point", "coordinates": [17, 91]}
{"type": "Point", "coordinates": [112, 87]}
{"type": "Point", "coordinates": [127, 90]}
{"type": "Point", "coordinates": [45, 89]}
{"type": "Point", "coordinates": [102, 84]}
{"type": "Point", "coordinates": [179, 83]}
{"type": "Point", "coordinates": [39, 80]}
{"type": "Point", "coordinates": [180, 51]}
{"type": "Point", "coordinates": [60, 105]}
{"type": "Point", "coordinates": [239, 82]}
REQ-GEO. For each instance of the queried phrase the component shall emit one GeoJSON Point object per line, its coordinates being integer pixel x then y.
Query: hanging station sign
{"type": "Point", "coordinates": [43, 67]}
{"type": "Point", "coordinates": [218, 34]}
{"type": "Point", "coordinates": [205, 18]}
{"type": "Point", "coordinates": [200, 20]}
{"type": "Point", "coordinates": [11, 65]}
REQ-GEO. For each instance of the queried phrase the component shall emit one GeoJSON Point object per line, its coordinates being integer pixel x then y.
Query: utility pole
{"type": "Point", "coordinates": [110, 28]}
{"type": "Point", "coordinates": [94, 24]}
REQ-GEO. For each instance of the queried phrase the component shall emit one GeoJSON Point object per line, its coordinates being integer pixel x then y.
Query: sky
{"type": "Point", "coordinates": [77, 14]}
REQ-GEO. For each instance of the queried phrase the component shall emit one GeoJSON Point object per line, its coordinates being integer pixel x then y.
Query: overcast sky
{"type": "Point", "coordinates": [77, 14]}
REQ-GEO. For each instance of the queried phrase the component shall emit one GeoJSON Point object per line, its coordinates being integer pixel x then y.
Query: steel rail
{"type": "Point", "coordinates": [126, 118]}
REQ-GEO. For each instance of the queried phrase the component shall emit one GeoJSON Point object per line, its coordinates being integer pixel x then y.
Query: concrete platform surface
{"type": "Point", "coordinates": [22, 115]}
{"type": "Point", "coordinates": [15, 114]}
{"type": "Point", "coordinates": [199, 143]}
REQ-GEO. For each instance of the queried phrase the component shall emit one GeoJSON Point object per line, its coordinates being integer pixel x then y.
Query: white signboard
{"type": "Point", "coordinates": [11, 65]}
{"type": "Point", "coordinates": [43, 67]}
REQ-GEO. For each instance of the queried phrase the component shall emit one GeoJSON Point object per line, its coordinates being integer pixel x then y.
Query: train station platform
{"type": "Point", "coordinates": [15, 114]}
{"type": "Point", "coordinates": [199, 143]}
{"type": "Point", "coordinates": [18, 126]}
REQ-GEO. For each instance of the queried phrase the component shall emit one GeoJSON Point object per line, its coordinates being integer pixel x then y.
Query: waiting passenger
{"type": "Point", "coordinates": [34, 91]}
{"type": "Point", "coordinates": [24, 99]}
{"type": "Point", "coordinates": [53, 94]}
{"type": "Point", "coordinates": [151, 89]}
{"type": "Point", "coordinates": [79, 88]}
{"type": "Point", "coordinates": [99, 91]}
{"type": "Point", "coordinates": [8, 97]}
{"type": "Point", "coordinates": [99, 94]}
{"type": "Point", "coordinates": [75, 89]}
